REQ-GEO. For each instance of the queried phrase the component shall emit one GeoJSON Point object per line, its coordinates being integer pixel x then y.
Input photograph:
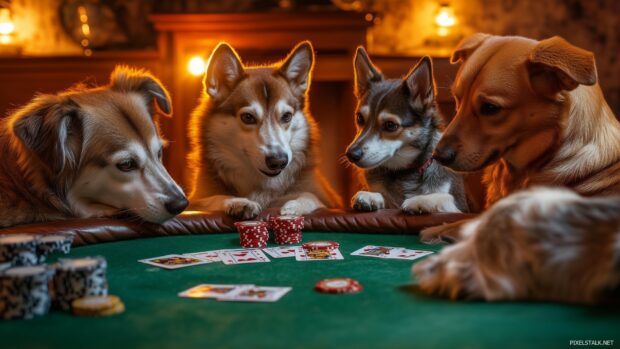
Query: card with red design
{"type": "Point", "coordinates": [243, 256]}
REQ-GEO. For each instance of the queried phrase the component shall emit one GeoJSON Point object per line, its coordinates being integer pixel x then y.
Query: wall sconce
{"type": "Point", "coordinates": [445, 20]}
{"type": "Point", "coordinates": [196, 66]}
{"type": "Point", "coordinates": [447, 33]}
{"type": "Point", "coordinates": [7, 31]}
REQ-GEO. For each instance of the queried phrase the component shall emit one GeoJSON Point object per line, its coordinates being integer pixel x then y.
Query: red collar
{"type": "Point", "coordinates": [422, 168]}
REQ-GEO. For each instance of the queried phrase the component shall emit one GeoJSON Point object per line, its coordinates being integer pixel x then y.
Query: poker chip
{"type": "Point", "coordinates": [320, 245]}
{"type": "Point", "coordinates": [18, 249]}
{"type": "Point", "coordinates": [252, 234]}
{"type": "Point", "coordinates": [24, 291]}
{"type": "Point", "coordinates": [53, 243]}
{"type": "Point", "coordinates": [287, 229]}
{"type": "Point", "coordinates": [97, 306]}
{"type": "Point", "coordinates": [76, 278]}
{"type": "Point", "coordinates": [339, 285]}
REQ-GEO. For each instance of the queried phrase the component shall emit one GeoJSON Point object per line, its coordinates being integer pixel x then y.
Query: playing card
{"type": "Point", "coordinates": [243, 256]}
{"type": "Point", "coordinates": [281, 251]}
{"type": "Point", "coordinates": [378, 251]}
{"type": "Point", "coordinates": [256, 294]}
{"type": "Point", "coordinates": [408, 254]}
{"type": "Point", "coordinates": [212, 256]}
{"type": "Point", "coordinates": [210, 290]}
{"type": "Point", "coordinates": [317, 255]}
{"type": "Point", "coordinates": [174, 261]}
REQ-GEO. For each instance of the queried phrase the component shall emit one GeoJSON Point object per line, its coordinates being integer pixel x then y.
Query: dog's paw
{"type": "Point", "coordinates": [294, 208]}
{"type": "Point", "coordinates": [431, 203]}
{"type": "Point", "coordinates": [367, 201]}
{"type": "Point", "coordinates": [441, 234]}
{"type": "Point", "coordinates": [242, 208]}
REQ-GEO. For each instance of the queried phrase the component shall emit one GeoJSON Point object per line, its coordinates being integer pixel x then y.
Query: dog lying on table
{"type": "Point", "coordinates": [88, 152]}
{"type": "Point", "coordinates": [531, 113]}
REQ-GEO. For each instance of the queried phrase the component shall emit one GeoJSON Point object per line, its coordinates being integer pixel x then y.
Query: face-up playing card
{"type": "Point", "coordinates": [281, 251]}
{"type": "Point", "coordinates": [377, 251]}
{"type": "Point", "coordinates": [210, 290]}
{"type": "Point", "coordinates": [243, 256]}
{"type": "Point", "coordinates": [256, 294]}
{"type": "Point", "coordinates": [212, 256]}
{"type": "Point", "coordinates": [174, 261]}
{"type": "Point", "coordinates": [317, 255]}
{"type": "Point", "coordinates": [408, 254]}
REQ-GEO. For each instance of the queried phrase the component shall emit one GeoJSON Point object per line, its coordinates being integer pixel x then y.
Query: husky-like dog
{"type": "Point", "coordinates": [254, 142]}
{"type": "Point", "coordinates": [398, 127]}
{"type": "Point", "coordinates": [88, 152]}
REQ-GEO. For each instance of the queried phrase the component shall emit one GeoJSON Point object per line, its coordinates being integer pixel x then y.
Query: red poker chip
{"type": "Point", "coordinates": [320, 245]}
{"type": "Point", "coordinates": [339, 285]}
{"type": "Point", "coordinates": [252, 234]}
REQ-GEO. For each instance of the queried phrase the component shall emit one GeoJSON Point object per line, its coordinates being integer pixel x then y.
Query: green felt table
{"type": "Point", "coordinates": [389, 313]}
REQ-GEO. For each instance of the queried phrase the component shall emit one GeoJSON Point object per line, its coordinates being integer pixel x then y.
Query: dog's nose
{"type": "Point", "coordinates": [277, 161]}
{"type": "Point", "coordinates": [445, 155]}
{"type": "Point", "coordinates": [355, 154]}
{"type": "Point", "coordinates": [177, 205]}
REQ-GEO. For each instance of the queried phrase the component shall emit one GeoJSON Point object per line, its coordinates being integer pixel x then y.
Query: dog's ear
{"type": "Point", "coordinates": [555, 65]}
{"type": "Point", "coordinates": [365, 72]}
{"type": "Point", "coordinates": [297, 67]}
{"type": "Point", "coordinates": [224, 70]}
{"type": "Point", "coordinates": [50, 128]}
{"type": "Point", "coordinates": [125, 79]}
{"type": "Point", "coordinates": [419, 81]}
{"type": "Point", "coordinates": [467, 46]}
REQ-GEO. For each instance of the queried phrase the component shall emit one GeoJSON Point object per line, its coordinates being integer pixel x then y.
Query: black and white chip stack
{"type": "Point", "coordinates": [77, 278]}
{"type": "Point", "coordinates": [18, 249]}
{"type": "Point", "coordinates": [24, 291]}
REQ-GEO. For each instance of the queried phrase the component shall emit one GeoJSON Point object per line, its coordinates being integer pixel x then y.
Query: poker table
{"type": "Point", "coordinates": [389, 313]}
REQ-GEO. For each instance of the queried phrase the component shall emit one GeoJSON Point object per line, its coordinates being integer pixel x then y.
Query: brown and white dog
{"type": "Point", "coordinates": [254, 142]}
{"type": "Point", "coordinates": [534, 113]}
{"type": "Point", "coordinates": [529, 113]}
{"type": "Point", "coordinates": [88, 152]}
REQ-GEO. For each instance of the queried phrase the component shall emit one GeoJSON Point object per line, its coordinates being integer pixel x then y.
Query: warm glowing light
{"type": "Point", "coordinates": [196, 66]}
{"type": "Point", "coordinates": [445, 17]}
{"type": "Point", "coordinates": [85, 29]}
{"type": "Point", "coordinates": [6, 24]}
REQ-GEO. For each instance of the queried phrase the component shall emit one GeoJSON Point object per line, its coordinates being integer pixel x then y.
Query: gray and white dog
{"type": "Point", "coordinates": [398, 127]}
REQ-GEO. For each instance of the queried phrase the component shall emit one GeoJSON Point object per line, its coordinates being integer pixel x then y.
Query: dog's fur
{"type": "Point", "coordinates": [398, 126]}
{"type": "Point", "coordinates": [60, 154]}
{"type": "Point", "coordinates": [241, 168]}
{"type": "Point", "coordinates": [543, 244]}
{"type": "Point", "coordinates": [530, 113]}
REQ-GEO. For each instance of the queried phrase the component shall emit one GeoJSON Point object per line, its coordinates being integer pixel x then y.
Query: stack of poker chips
{"type": "Point", "coordinates": [339, 285]}
{"type": "Point", "coordinates": [287, 229]}
{"type": "Point", "coordinates": [77, 278]}
{"type": "Point", "coordinates": [320, 249]}
{"type": "Point", "coordinates": [24, 280]}
{"type": "Point", "coordinates": [252, 234]}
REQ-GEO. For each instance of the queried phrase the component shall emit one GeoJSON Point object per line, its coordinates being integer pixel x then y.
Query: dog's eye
{"type": "Point", "coordinates": [489, 109]}
{"type": "Point", "coordinates": [127, 165]}
{"type": "Point", "coordinates": [390, 126]}
{"type": "Point", "coordinates": [248, 118]}
{"type": "Point", "coordinates": [359, 118]}
{"type": "Point", "coordinates": [287, 117]}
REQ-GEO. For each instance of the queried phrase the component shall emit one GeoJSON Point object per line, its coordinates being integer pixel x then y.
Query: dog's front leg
{"type": "Point", "coordinates": [441, 234]}
{"type": "Point", "coordinates": [240, 208]}
{"type": "Point", "coordinates": [367, 201]}
{"type": "Point", "coordinates": [430, 203]}
{"type": "Point", "coordinates": [305, 203]}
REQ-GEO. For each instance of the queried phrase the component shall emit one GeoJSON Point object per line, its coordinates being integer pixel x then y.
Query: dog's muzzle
{"type": "Point", "coordinates": [176, 204]}
{"type": "Point", "coordinates": [275, 163]}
